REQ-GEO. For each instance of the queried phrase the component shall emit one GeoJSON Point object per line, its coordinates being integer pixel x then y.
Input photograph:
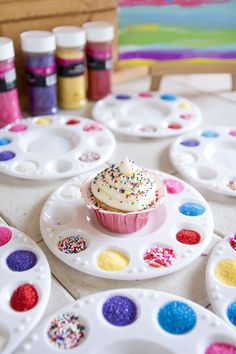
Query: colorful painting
{"type": "Point", "coordinates": [202, 31]}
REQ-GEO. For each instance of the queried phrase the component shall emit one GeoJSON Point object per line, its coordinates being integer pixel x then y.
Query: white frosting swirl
{"type": "Point", "coordinates": [126, 187]}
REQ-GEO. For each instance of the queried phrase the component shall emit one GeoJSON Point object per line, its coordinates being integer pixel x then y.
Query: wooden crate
{"type": "Point", "coordinates": [24, 15]}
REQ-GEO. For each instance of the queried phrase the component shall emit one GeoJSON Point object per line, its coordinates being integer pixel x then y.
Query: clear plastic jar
{"type": "Point", "coordinates": [9, 100]}
{"type": "Point", "coordinates": [70, 58]}
{"type": "Point", "coordinates": [99, 37]}
{"type": "Point", "coordinates": [40, 66]}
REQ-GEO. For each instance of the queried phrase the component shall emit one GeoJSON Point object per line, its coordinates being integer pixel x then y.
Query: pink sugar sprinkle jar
{"type": "Point", "coordinates": [9, 100]}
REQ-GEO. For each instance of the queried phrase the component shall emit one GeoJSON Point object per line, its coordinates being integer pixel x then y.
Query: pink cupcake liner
{"type": "Point", "coordinates": [121, 223]}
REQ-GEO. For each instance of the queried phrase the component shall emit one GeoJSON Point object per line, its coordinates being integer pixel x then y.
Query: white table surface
{"type": "Point", "coordinates": [22, 200]}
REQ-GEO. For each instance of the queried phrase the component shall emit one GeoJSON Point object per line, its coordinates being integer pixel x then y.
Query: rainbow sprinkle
{"type": "Point", "coordinates": [72, 244]}
{"type": "Point", "coordinates": [66, 331]}
{"type": "Point", "coordinates": [159, 257]}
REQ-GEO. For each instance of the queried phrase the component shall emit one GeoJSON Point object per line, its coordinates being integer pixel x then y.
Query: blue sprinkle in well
{"type": "Point", "coordinates": [176, 317]}
{"type": "Point", "coordinates": [210, 134]}
{"type": "Point", "coordinates": [123, 97]}
{"type": "Point", "coordinates": [192, 209]}
{"type": "Point", "coordinates": [190, 143]}
{"type": "Point", "coordinates": [119, 311]}
{"type": "Point", "coordinates": [5, 141]}
{"type": "Point", "coordinates": [6, 155]}
{"type": "Point", "coordinates": [21, 260]}
{"type": "Point", "coordinates": [168, 97]}
{"type": "Point", "coordinates": [231, 313]}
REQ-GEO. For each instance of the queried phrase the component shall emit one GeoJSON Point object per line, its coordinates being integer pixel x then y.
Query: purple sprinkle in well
{"type": "Point", "coordinates": [21, 260]}
{"type": "Point", "coordinates": [6, 155]}
{"type": "Point", "coordinates": [123, 97]}
{"type": "Point", "coordinates": [190, 143]}
{"type": "Point", "coordinates": [119, 311]}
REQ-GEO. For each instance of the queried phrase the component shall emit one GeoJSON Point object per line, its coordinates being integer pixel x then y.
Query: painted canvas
{"type": "Point", "coordinates": [191, 31]}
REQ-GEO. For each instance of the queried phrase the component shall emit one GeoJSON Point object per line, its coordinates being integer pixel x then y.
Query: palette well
{"type": "Point", "coordinates": [221, 279]}
{"type": "Point", "coordinates": [208, 157]}
{"type": "Point", "coordinates": [177, 232]}
{"type": "Point", "coordinates": [49, 147]}
{"type": "Point", "coordinates": [132, 321]}
{"type": "Point", "coordinates": [147, 114]}
{"type": "Point", "coordinates": [25, 286]}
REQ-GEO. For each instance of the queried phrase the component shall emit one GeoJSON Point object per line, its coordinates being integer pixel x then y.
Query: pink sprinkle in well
{"type": "Point", "coordinates": [92, 127]}
{"type": "Point", "coordinates": [232, 242]}
{"type": "Point", "coordinates": [159, 257]}
{"type": "Point", "coordinates": [232, 132]}
{"type": "Point", "coordinates": [145, 94]}
{"type": "Point", "coordinates": [173, 186]}
{"type": "Point", "coordinates": [18, 128]}
{"type": "Point", "coordinates": [186, 116]}
{"type": "Point", "coordinates": [5, 235]}
{"type": "Point", "coordinates": [221, 348]}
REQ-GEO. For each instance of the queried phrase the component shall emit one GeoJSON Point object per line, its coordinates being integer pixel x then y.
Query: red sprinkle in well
{"type": "Point", "coordinates": [73, 121]}
{"type": "Point", "coordinates": [188, 237]}
{"type": "Point", "coordinates": [24, 298]}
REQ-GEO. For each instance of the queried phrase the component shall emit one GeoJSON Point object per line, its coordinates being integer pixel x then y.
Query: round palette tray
{"type": "Point", "coordinates": [132, 321]}
{"type": "Point", "coordinates": [48, 147]}
{"type": "Point", "coordinates": [147, 114]}
{"type": "Point", "coordinates": [207, 157]}
{"type": "Point", "coordinates": [221, 279]}
{"type": "Point", "coordinates": [25, 286]}
{"type": "Point", "coordinates": [177, 232]}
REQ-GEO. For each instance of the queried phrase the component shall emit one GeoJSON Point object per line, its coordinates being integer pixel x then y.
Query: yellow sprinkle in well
{"type": "Point", "coordinates": [225, 271]}
{"type": "Point", "coordinates": [184, 105]}
{"type": "Point", "coordinates": [112, 260]}
{"type": "Point", "coordinates": [43, 121]}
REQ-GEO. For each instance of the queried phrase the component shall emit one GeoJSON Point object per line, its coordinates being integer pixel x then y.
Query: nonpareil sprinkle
{"type": "Point", "coordinates": [24, 298]}
{"type": "Point", "coordinates": [66, 331]}
{"type": "Point", "coordinates": [72, 244]}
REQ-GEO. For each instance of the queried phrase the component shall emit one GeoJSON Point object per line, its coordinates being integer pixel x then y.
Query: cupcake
{"type": "Point", "coordinates": [122, 196]}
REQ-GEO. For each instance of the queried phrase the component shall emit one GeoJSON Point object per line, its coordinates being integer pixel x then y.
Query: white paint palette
{"type": "Point", "coordinates": [25, 286]}
{"type": "Point", "coordinates": [148, 115]}
{"type": "Point", "coordinates": [221, 279]}
{"type": "Point", "coordinates": [132, 321]}
{"type": "Point", "coordinates": [177, 233]}
{"type": "Point", "coordinates": [208, 157]}
{"type": "Point", "coordinates": [49, 147]}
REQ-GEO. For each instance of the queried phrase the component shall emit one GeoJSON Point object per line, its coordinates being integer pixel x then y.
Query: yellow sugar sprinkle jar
{"type": "Point", "coordinates": [112, 260]}
{"type": "Point", "coordinates": [225, 271]}
{"type": "Point", "coordinates": [70, 57]}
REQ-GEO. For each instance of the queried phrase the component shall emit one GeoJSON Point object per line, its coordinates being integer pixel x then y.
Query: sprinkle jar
{"type": "Point", "coordinates": [9, 101]}
{"type": "Point", "coordinates": [70, 59]}
{"type": "Point", "coordinates": [99, 58]}
{"type": "Point", "coordinates": [40, 67]}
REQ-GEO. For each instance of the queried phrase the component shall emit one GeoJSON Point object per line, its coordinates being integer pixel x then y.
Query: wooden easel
{"type": "Point", "coordinates": [157, 71]}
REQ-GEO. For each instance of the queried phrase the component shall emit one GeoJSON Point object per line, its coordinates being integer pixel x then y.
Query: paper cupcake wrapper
{"type": "Point", "coordinates": [121, 223]}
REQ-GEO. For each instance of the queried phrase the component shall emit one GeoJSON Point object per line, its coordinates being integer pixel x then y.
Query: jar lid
{"type": "Point", "coordinates": [6, 48]}
{"type": "Point", "coordinates": [69, 36]}
{"type": "Point", "coordinates": [38, 41]}
{"type": "Point", "coordinates": [99, 31]}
